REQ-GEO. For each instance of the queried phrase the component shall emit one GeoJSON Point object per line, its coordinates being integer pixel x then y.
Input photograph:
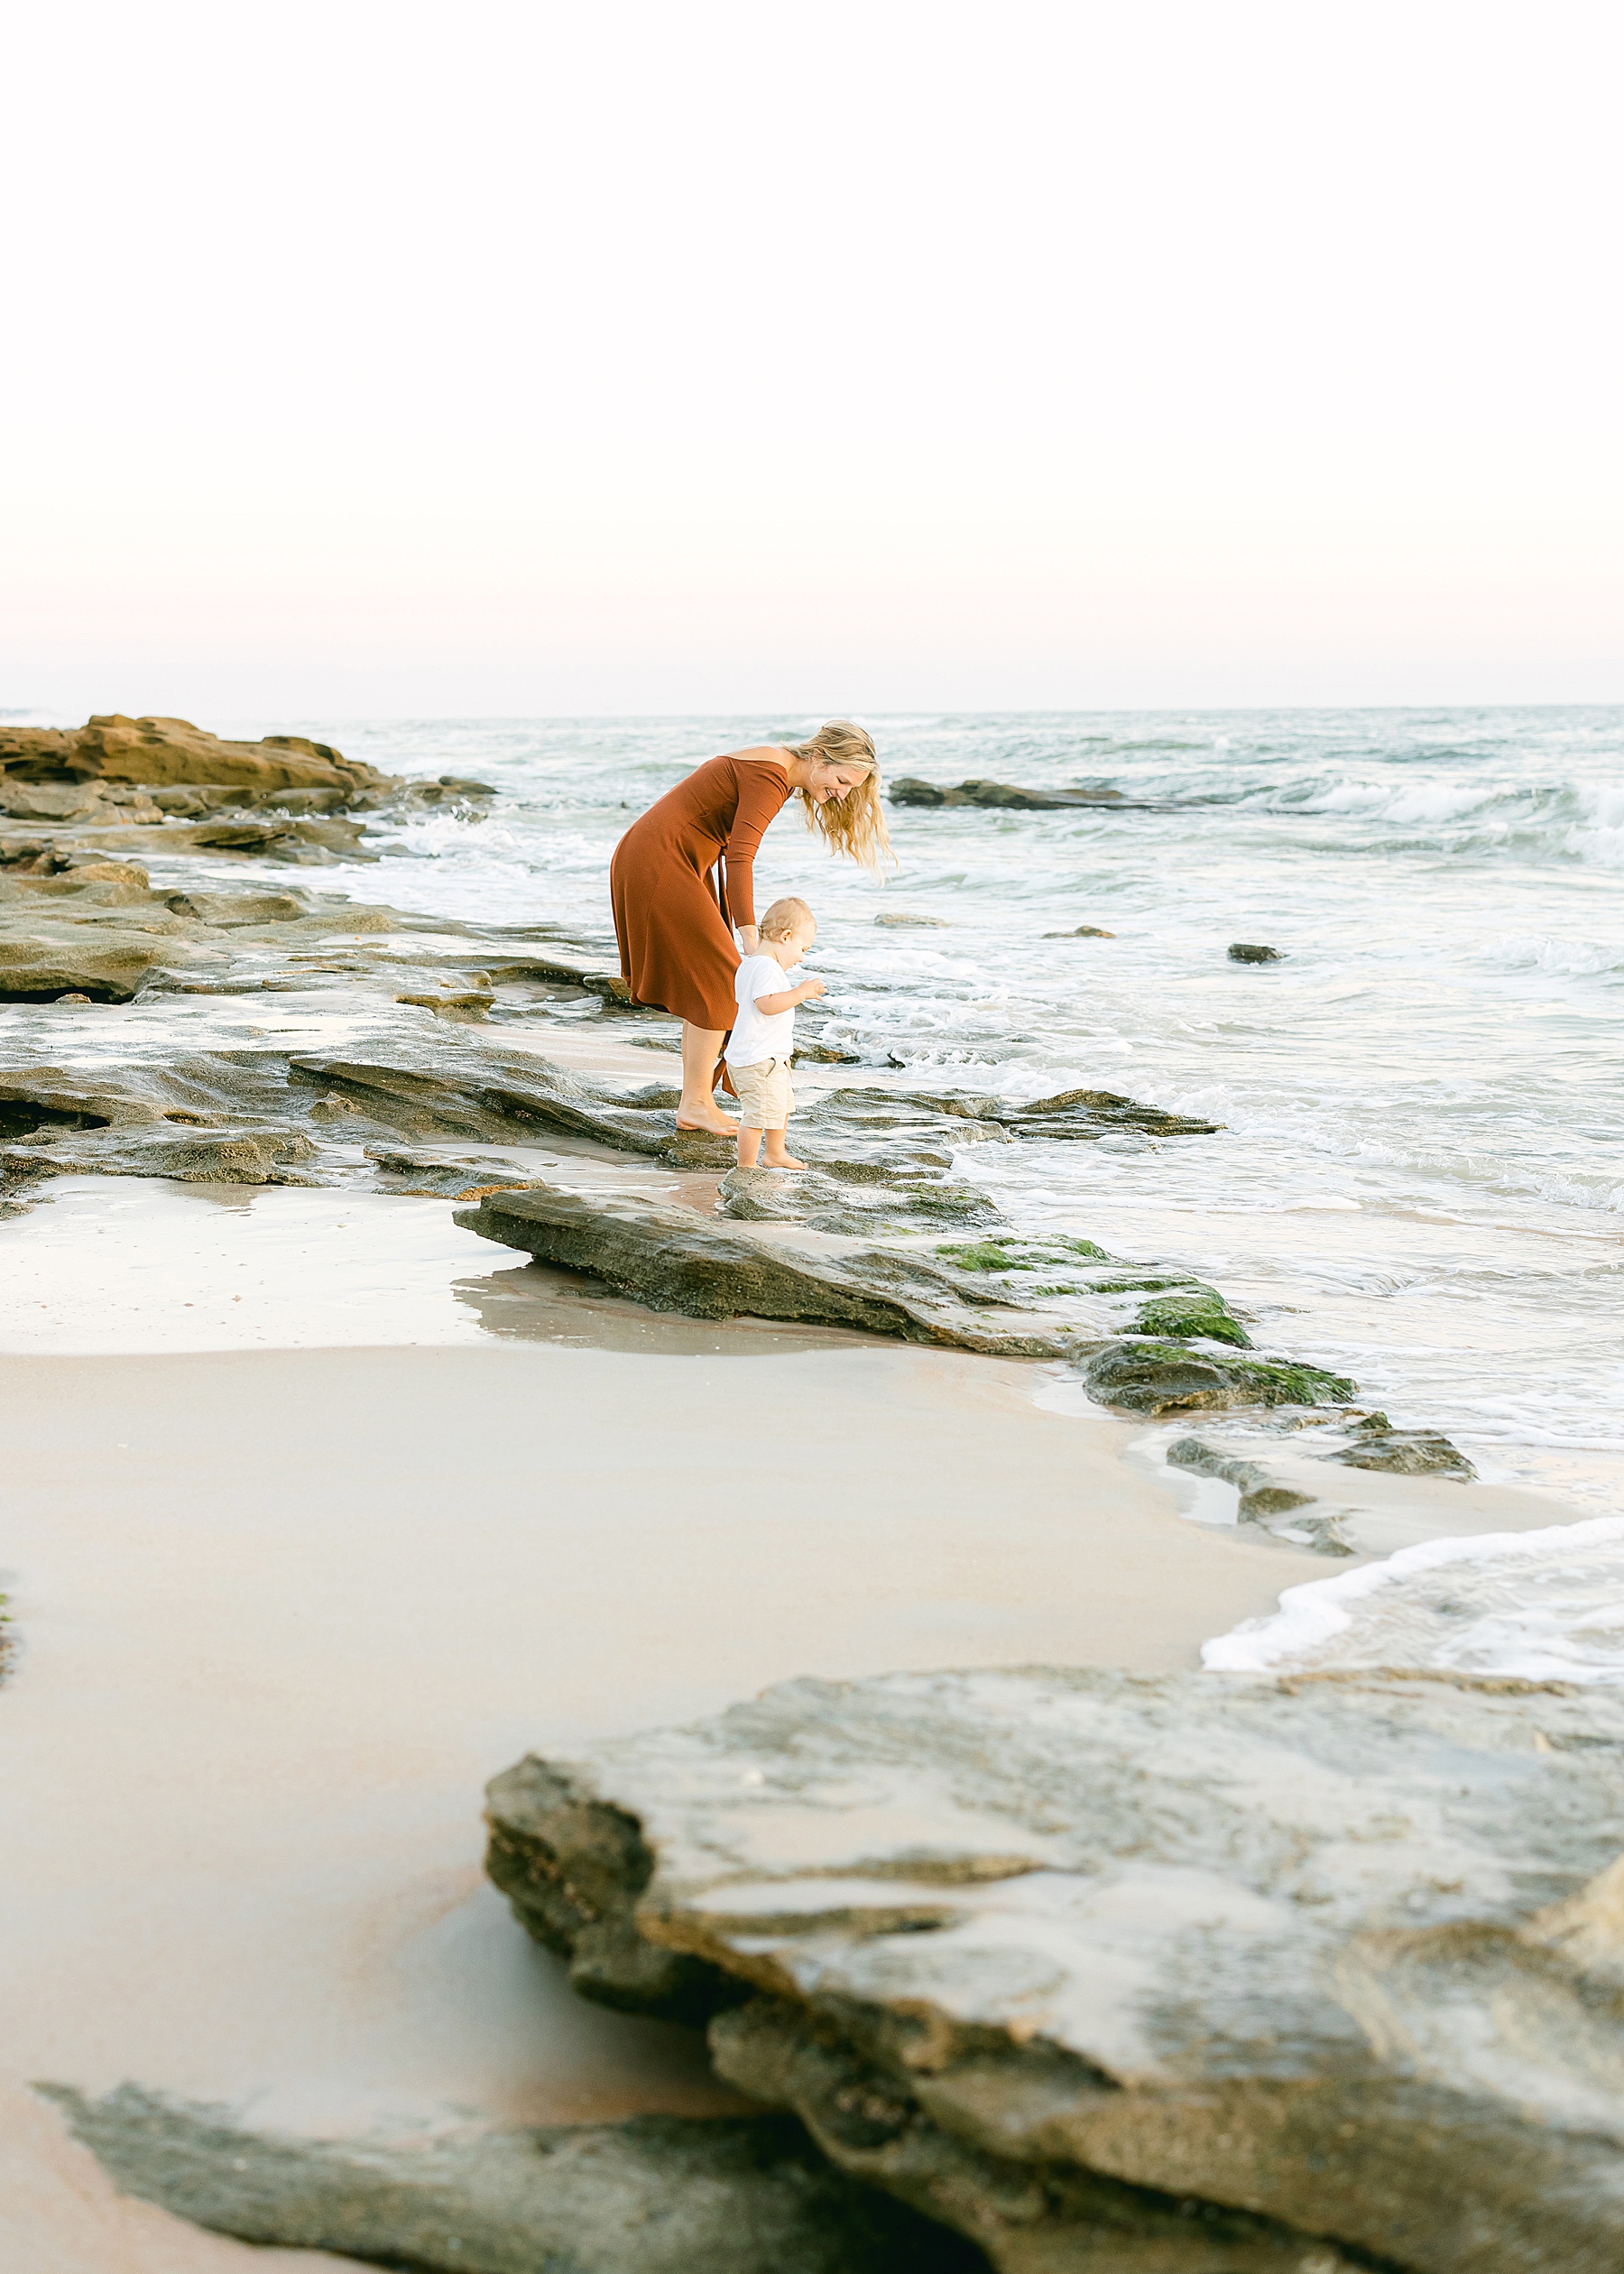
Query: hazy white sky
{"type": "Point", "coordinates": [370, 357]}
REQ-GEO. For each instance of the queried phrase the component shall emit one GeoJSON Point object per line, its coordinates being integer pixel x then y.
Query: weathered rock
{"type": "Point", "coordinates": [46, 960]}
{"type": "Point", "coordinates": [1273, 1507]}
{"type": "Point", "coordinates": [674, 1259]}
{"type": "Point", "coordinates": [1081, 931]}
{"type": "Point", "coordinates": [1339, 1954]}
{"type": "Point", "coordinates": [434, 1176]}
{"type": "Point", "coordinates": [234, 908]}
{"type": "Point", "coordinates": [190, 1151]}
{"type": "Point", "coordinates": [910, 790]}
{"type": "Point", "coordinates": [1162, 1377]}
{"type": "Point", "coordinates": [658, 2195]}
{"type": "Point", "coordinates": [470, 1004]}
{"type": "Point", "coordinates": [153, 751]}
{"type": "Point", "coordinates": [1250, 951]}
{"type": "Point", "coordinates": [1376, 1445]}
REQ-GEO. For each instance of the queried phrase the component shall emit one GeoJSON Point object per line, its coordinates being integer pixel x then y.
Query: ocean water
{"type": "Point", "coordinates": [1419, 1180]}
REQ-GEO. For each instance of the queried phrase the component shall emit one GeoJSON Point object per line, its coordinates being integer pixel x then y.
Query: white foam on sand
{"type": "Point", "coordinates": [1544, 1605]}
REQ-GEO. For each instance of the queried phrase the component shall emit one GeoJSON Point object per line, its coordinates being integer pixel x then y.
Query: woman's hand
{"type": "Point", "coordinates": [749, 940]}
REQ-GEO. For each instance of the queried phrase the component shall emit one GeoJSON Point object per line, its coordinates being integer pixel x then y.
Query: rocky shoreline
{"type": "Point", "coordinates": [1045, 1971]}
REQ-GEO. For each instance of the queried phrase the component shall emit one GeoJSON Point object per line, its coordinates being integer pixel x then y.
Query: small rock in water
{"type": "Point", "coordinates": [1081, 931]}
{"type": "Point", "coordinates": [935, 923]}
{"type": "Point", "coordinates": [73, 998]}
{"type": "Point", "coordinates": [1402, 1452]}
{"type": "Point", "coordinates": [1252, 951]}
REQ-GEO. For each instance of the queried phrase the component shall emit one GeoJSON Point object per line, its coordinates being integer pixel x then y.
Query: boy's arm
{"type": "Point", "coordinates": [771, 1005]}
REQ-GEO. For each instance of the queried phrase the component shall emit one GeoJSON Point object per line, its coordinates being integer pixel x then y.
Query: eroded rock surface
{"type": "Point", "coordinates": [658, 2195]}
{"type": "Point", "coordinates": [114, 748]}
{"type": "Point", "coordinates": [1084, 1965]}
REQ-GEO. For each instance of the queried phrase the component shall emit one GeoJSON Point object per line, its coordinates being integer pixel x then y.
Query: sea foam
{"type": "Point", "coordinates": [1540, 1606]}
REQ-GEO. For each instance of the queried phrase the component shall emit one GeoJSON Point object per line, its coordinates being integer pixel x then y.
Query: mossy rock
{"type": "Point", "coordinates": [1202, 1312]}
{"type": "Point", "coordinates": [1169, 1377]}
{"type": "Point", "coordinates": [1021, 1255]}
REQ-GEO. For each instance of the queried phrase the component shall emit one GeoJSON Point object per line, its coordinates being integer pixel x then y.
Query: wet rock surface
{"type": "Point", "coordinates": [1253, 952]}
{"type": "Point", "coordinates": [1278, 1508]}
{"type": "Point", "coordinates": [657, 2194]}
{"type": "Point", "coordinates": [909, 789]}
{"type": "Point", "coordinates": [1105, 1972]}
{"type": "Point", "coordinates": [1376, 1445]}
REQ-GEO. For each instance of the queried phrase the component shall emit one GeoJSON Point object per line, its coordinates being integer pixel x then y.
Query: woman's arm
{"type": "Point", "coordinates": [763, 794]}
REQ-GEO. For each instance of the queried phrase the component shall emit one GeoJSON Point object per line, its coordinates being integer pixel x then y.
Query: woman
{"type": "Point", "coordinates": [682, 881]}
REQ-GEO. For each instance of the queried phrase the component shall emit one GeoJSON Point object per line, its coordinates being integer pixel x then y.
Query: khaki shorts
{"type": "Point", "coordinates": [764, 1094]}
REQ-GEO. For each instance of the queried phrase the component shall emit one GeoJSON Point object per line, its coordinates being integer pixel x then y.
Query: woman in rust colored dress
{"type": "Point", "coordinates": [682, 881]}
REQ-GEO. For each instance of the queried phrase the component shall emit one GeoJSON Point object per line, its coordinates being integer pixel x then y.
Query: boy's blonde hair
{"type": "Point", "coordinates": [784, 917]}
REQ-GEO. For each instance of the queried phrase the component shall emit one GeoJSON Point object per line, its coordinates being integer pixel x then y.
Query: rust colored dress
{"type": "Point", "coordinates": [682, 877]}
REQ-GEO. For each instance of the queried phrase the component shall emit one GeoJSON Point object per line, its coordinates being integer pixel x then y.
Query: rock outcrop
{"type": "Point", "coordinates": [1199, 1974]}
{"type": "Point", "coordinates": [910, 790]}
{"type": "Point", "coordinates": [1253, 951]}
{"type": "Point", "coordinates": [658, 2195]}
{"type": "Point", "coordinates": [169, 751]}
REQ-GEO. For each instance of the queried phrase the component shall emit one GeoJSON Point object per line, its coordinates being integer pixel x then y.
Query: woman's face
{"type": "Point", "coordinates": [833, 781]}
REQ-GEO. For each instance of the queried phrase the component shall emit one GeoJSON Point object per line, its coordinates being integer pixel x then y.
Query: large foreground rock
{"type": "Point", "coordinates": [659, 2194]}
{"type": "Point", "coordinates": [164, 751]}
{"type": "Point", "coordinates": [1051, 1952]}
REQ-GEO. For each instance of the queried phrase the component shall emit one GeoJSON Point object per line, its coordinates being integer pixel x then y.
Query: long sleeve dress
{"type": "Point", "coordinates": [682, 877]}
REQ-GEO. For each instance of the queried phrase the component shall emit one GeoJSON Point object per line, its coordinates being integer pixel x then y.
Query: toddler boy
{"type": "Point", "coordinates": [759, 1048]}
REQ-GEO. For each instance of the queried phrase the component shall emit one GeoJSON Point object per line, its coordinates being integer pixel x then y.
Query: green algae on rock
{"type": "Point", "coordinates": [1169, 1377]}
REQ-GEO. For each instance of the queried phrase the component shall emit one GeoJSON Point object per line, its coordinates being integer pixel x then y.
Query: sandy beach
{"type": "Point", "coordinates": [285, 1610]}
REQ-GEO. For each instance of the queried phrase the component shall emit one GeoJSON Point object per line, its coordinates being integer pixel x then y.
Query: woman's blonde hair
{"type": "Point", "coordinates": [854, 822]}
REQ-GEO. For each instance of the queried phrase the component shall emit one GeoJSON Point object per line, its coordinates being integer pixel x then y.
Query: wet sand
{"type": "Point", "coordinates": [280, 1613]}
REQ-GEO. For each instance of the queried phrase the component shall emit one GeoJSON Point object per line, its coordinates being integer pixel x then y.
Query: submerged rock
{"type": "Point", "coordinates": [1081, 931]}
{"type": "Point", "coordinates": [1273, 1507]}
{"type": "Point", "coordinates": [1195, 1975]}
{"type": "Point", "coordinates": [928, 923]}
{"type": "Point", "coordinates": [657, 2194]}
{"type": "Point", "coordinates": [1249, 951]}
{"type": "Point", "coordinates": [1376, 1445]}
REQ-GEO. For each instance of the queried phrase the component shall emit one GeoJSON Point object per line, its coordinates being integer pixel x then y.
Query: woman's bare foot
{"type": "Point", "coordinates": [782, 1161]}
{"type": "Point", "coordinates": [716, 1123]}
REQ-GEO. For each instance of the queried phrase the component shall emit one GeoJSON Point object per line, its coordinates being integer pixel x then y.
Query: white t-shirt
{"type": "Point", "coordinates": [755, 1036]}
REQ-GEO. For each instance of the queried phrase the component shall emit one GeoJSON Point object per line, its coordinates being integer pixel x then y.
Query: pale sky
{"type": "Point", "coordinates": [364, 356]}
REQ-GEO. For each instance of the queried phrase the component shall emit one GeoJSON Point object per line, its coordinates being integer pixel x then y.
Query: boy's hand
{"type": "Point", "coordinates": [810, 989]}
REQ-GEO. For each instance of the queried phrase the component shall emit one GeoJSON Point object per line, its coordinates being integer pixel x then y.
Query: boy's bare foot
{"type": "Point", "coordinates": [782, 1161]}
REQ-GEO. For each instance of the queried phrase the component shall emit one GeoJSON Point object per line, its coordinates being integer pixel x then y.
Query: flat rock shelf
{"type": "Point", "coordinates": [1201, 1975]}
